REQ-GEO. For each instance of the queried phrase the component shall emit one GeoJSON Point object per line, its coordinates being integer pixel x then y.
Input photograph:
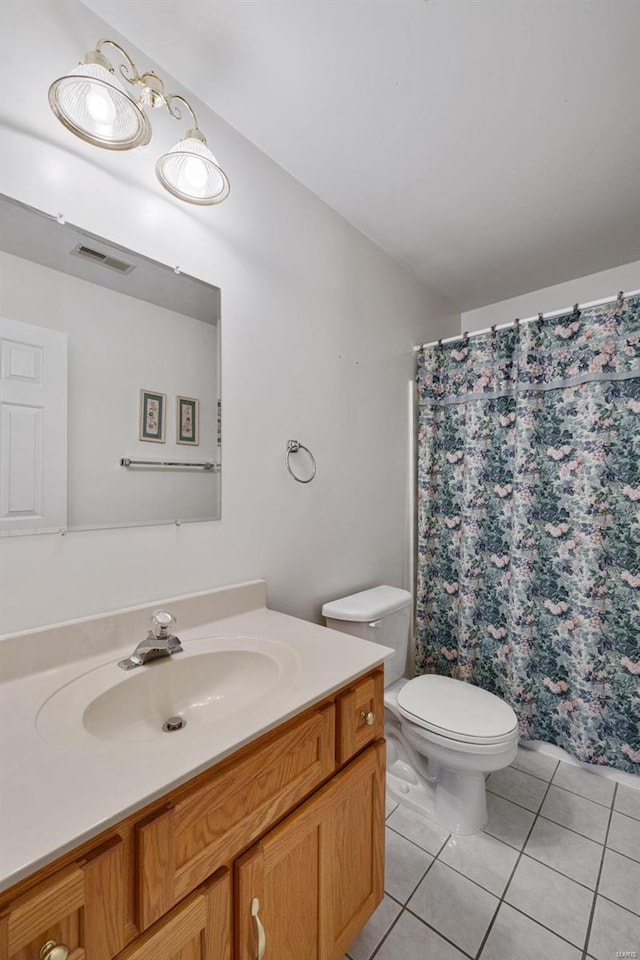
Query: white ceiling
{"type": "Point", "coordinates": [492, 146]}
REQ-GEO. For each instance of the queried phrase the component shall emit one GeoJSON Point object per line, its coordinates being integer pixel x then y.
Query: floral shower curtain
{"type": "Point", "coordinates": [529, 525]}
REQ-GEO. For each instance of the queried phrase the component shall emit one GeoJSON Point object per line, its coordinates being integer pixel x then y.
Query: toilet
{"type": "Point", "coordinates": [444, 736]}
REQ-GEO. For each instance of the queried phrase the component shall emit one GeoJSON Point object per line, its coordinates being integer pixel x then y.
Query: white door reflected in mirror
{"type": "Point", "coordinates": [33, 428]}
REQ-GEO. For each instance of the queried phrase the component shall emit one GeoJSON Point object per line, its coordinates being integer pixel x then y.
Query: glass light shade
{"type": "Point", "coordinates": [92, 103]}
{"type": "Point", "coordinates": [190, 172]}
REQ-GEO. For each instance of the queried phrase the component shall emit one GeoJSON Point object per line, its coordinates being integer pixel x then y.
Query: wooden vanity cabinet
{"type": "Point", "coordinates": [294, 821]}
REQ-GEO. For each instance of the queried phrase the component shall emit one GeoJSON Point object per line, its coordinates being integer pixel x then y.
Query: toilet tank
{"type": "Point", "coordinates": [381, 615]}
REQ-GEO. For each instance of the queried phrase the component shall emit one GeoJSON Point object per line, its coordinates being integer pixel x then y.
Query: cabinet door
{"type": "Point", "coordinates": [198, 929]}
{"type": "Point", "coordinates": [305, 890]}
{"type": "Point", "coordinates": [352, 863]}
{"type": "Point", "coordinates": [81, 907]}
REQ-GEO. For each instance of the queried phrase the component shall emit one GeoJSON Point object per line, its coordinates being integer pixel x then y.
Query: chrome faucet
{"type": "Point", "coordinates": [159, 642]}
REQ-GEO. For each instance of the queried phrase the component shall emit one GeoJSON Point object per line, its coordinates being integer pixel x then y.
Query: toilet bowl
{"type": "Point", "coordinates": [443, 735]}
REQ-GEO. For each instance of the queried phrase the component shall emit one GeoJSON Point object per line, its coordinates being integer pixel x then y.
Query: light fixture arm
{"type": "Point", "coordinates": [171, 99]}
{"type": "Point", "coordinates": [128, 69]}
{"type": "Point", "coordinates": [153, 84]}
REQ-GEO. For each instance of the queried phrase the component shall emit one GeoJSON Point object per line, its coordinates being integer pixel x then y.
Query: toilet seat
{"type": "Point", "coordinates": [457, 710]}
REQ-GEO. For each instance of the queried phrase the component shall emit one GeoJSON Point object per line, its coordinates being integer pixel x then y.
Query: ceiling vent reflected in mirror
{"type": "Point", "coordinates": [102, 259]}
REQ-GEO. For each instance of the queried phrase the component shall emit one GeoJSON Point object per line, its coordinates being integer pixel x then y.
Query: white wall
{"type": "Point", "coordinates": [317, 330]}
{"type": "Point", "coordinates": [119, 345]}
{"type": "Point", "coordinates": [596, 286]}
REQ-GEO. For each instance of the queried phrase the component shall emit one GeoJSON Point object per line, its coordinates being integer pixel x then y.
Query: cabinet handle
{"type": "Point", "coordinates": [54, 951]}
{"type": "Point", "coordinates": [369, 718]}
{"type": "Point", "coordinates": [260, 934]}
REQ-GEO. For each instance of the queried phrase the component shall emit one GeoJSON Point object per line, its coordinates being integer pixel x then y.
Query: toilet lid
{"type": "Point", "coordinates": [455, 709]}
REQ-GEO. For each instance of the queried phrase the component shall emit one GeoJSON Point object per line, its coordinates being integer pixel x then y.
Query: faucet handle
{"type": "Point", "coordinates": [162, 622]}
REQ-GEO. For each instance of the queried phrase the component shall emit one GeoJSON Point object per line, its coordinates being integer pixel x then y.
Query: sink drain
{"type": "Point", "coordinates": [174, 723]}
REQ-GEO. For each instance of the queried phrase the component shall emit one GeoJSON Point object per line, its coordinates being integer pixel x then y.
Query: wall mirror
{"type": "Point", "coordinates": [109, 383]}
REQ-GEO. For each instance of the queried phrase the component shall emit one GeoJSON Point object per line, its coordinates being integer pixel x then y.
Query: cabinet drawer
{"type": "Point", "coordinates": [360, 716]}
{"type": "Point", "coordinates": [183, 844]}
{"type": "Point", "coordinates": [81, 907]}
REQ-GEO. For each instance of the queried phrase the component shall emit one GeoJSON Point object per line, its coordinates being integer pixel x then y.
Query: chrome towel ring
{"type": "Point", "coordinates": [294, 446]}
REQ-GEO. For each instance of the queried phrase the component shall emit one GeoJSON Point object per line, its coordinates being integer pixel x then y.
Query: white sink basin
{"type": "Point", "coordinates": [209, 682]}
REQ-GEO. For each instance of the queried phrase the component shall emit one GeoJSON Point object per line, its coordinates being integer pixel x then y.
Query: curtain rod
{"type": "Point", "coordinates": [540, 316]}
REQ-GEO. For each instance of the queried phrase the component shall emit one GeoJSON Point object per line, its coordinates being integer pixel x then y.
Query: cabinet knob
{"type": "Point", "coordinates": [369, 718]}
{"type": "Point", "coordinates": [260, 934]}
{"type": "Point", "coordinates": [54, 951]}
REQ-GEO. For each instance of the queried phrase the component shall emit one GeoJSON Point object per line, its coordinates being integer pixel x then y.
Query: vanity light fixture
{"type": "Point", "coordinates": [92, 102]}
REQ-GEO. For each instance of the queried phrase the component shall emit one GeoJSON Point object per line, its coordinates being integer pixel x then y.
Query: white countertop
{"type": "Point", "coordinates": [54, 796]}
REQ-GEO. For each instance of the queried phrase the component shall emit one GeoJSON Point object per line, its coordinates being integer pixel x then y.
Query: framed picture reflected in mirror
{"type": "Point", "coordinates": [152, 416]}
{"type": "Point", "coordinates": [187, 416]}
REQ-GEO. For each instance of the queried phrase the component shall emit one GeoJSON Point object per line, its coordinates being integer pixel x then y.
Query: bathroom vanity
{"type": "Point", "coordinates": [272, 846]}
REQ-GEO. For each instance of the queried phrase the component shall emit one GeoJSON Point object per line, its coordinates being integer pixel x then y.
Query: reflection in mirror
{"type": "Point", "coordinates": [109, 383]}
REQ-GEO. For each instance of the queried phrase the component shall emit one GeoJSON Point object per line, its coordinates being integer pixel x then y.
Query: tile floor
{"type": "Point", "coordinates": [554, 876]}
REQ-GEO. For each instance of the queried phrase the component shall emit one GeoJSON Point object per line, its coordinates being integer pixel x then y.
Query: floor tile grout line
{"type": "Point", "coordinates": [385, 937]}
{"type": "Point", "coordinates": [470, 879]}
{"type": "Point", "coordinates": [542, 863]}
{"type": "Point", "coordinates": [433, 860]}
{"type": "Point", "coordinates": [577, 833]}
{"type": "Point", "coordinates": [461, 874]}
{"type": "Point", "coordinates": [575, 793]}
{"type": "Point", "coordinates": [548, 820]}
{"type": "Point", "coordinates": [377, 947]}
{"type": "Point", "coordinates": [409, 840]}
{"type": "Point", "coordinates": [568, 789]}
{"type": "Point", "coordinates": [404, 905]}
{"type": "Point", "coordinates": [621, 854]}
{"type": "Point", "coordinates": [515, 867]}
{"type": "Point", "coordinates": [464, 953]}
{"type": "Point", "coordinates": [539, 923]}
{"type": "Point", "coordinates": [625, 816]}
{"type": "Point", "coordinates": [595, 892]}
{"type": "Point", "coordinates": [616, 904]}
{"type": "Point", "coordinates": [395, 899]}
{"type": "Point", "coordinates": [512, 846]}
{"type": "Point", "coordinates": [622, 813]}
{"type": "Point", "coordinates": [546, 816]}
{"type": "Point", "coordinates": [515, 802]}
{"type": "Point", "coordinates": [557, 787]}
{"type": "Point", "coordinates": [528, 772]}
{"type": "Point", "coordinates": [406, 909]}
